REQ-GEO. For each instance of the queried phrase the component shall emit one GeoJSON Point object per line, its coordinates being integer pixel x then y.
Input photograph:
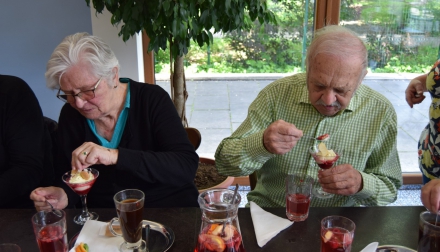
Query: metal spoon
{"type": "Point", "coordinates": [222, 234]}
{"type": "Point", "coordinates": [54, 210]}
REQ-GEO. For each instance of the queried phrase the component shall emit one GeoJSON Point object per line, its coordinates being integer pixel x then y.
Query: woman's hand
{"type": "Point", "coordinates": [90, 153]}
{"type": "Point", "coordinates": [430, 195]}
{"type": "Point", "coordinates": [415, 89]}
{"type": "Point", "coordinates": [55, 195]}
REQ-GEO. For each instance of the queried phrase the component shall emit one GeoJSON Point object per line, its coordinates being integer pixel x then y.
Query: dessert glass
{"type": "Point", "coordinates": [82, 189]}
{"type": "Point", "coordinates": [324, 163]}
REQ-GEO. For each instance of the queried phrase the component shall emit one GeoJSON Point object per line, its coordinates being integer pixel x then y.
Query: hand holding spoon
{"type": "Point", "coordinates": [53, 209]}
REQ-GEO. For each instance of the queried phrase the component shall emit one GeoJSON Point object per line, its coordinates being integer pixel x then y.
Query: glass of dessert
{"type": "Point", "coordinates": [337, 234]}
{"type": "Point", "coordinates": [220, 230]}
{"type": "Point", "coordinates": [81, 182]}
{"type": "Point", "coordinates": [325, 157]}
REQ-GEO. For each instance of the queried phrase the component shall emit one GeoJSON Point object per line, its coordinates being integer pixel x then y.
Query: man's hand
{"type": "Point", "coordinates": [341, 179]}
{"type": "Point", "coordinates": [280, 137]}
{"type": "Point", "coordinates": [430, 195]}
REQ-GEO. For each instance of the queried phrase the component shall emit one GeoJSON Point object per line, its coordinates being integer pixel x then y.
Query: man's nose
{"type": "Point", "coordinates": [328, 97]}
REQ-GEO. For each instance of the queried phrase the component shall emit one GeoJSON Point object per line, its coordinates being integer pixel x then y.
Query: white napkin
{"type": "Point", "coordinates": [90, 234]}
{"type": "Point", "coordinates": [266, 225]}
{"type": "Point", "coordinates": [371, 247]}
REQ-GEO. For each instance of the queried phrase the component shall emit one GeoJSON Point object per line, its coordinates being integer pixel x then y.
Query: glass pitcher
{"type": "Point", "coordinates": [220, 231]}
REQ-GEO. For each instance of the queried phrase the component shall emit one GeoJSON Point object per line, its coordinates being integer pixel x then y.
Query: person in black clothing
{"type": "Point", "coordinates": [129, 131]}
{"type": "Point", "coordinates": [25, 144]}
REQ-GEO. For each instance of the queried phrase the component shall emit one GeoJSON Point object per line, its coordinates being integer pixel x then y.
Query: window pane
{"type": "Point", "coordinates": [401, 36]}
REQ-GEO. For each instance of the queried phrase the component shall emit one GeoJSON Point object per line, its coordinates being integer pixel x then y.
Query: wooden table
{"type": "Point", "coordinates": [386, 225]}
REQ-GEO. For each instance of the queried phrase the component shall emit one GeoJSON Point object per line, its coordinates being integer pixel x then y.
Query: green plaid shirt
{"type": "Point", "coordinates": [366, 130]}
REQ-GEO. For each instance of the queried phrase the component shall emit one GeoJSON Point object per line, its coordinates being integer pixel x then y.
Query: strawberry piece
{"type": "Point", "coordinates": [323, 137]}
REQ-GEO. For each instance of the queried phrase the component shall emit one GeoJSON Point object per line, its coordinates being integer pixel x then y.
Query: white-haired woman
{"type": "Point", "coordinates": [129, 131]}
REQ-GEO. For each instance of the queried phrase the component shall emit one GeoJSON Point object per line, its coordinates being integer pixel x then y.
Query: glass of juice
{"type": "Point", "coordinates": [50, 231]}
{"type": "Point", "coordinates": [298, 196]}
{"type": "Point", "coordinates": [337, 234]}
{"type": "Point", "coordinates": [429, 232]}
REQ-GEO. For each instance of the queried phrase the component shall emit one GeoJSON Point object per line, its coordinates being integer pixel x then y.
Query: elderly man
{"type": "Point", "coordinates": [329, 98]}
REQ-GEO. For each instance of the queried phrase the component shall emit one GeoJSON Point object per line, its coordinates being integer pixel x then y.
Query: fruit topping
{"type": "Point", "coordinates": [212, 242]}
{"type": "Point", "coordinates": [328, 235]}
{"type": "Point", "coordinates": [324, 137]}
{"type": "Point", "coordinates": [85, 175]}
{"type": "Point", "coordinates": [225, 234]}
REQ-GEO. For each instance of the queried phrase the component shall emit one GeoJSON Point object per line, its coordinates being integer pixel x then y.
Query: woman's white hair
{"type": "Point", "coordinates": [76, 48]}
{"type": "Point", "coordinates": [340, 41]}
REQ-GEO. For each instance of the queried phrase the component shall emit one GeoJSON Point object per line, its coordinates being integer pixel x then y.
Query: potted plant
{"type": "Point", "coordinates": [207, 176]}
{"type": "Point", "coordinates": [176, 23]}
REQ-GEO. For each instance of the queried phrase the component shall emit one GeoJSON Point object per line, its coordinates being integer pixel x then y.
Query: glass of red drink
{"type": "Point", "coordinates": [220, 231]}
{"type": "Point", "coordinates": [82, 188]}
{"type": "Point", "coordinates": [298, 196]}
{"type": "Point", "coordinates": [50, 231]}
{"type": "Point", "coordinates": [324, 162]}
{"type": "Point", "coordinates": [429, 232]}
{"type": "Point", "coordinates": [337, 234]}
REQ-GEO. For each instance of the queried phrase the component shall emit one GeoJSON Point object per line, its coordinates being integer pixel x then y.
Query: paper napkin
{"type": "Point", "coordinates": [90, 234]}
{"type": "Point", "coordinates": [266, 225]}
{"type": "Point", "coordinates": [371, 247]}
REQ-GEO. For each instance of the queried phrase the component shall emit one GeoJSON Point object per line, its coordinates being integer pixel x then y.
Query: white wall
{"type": "Point", "coordinates": [128, 53]}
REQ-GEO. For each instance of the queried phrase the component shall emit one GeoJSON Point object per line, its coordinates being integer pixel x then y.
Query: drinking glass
{"type": "Point", "coordinates": [337, 234]}
{"type": "Point", "coordinates": [50, 231]}
{"type": "Point", "coordinates": [82, 189]}
{"type": "Point", "coordinates": [298, 196]}
{"type": "Point", "coordinates": [9, 247]}
{"type": "Point", "coordinates": [324, 163]}
{"type": "Point", "coordinates": [429, 232]}
{"type": "Point", "coordinates": [130, 207]}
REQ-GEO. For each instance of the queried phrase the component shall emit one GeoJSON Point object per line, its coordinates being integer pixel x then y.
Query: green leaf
{"type": "Point", "coordinates": [204, 16]}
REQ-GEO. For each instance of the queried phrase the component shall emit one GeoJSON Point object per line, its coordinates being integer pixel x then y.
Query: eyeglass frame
{"type": "Point", "coordinates": [59, 96]}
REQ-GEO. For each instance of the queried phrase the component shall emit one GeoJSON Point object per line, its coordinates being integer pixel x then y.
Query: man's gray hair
{"type": "Point", "coordinates": [76, 48]}
{"type": "Point", "coordinates": [338, 40]}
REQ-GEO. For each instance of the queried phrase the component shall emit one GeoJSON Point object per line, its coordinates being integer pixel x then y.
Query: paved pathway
{"type": "Point", "coordinates": [218, 103]}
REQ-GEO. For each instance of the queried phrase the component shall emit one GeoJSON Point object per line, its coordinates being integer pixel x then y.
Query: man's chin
{"type": "Point", "coordinates": [329, 112]}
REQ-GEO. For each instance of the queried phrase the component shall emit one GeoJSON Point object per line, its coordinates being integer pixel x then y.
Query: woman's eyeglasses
{"type": "Point", "coordinates": [83, 95]}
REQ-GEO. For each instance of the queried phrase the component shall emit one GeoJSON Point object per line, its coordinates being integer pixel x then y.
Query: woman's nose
{"type": "Point", "coordinates": [79, 103]}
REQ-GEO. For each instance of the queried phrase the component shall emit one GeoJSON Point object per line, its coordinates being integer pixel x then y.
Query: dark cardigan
{"type": "Point", "coordinates": [155, 155]}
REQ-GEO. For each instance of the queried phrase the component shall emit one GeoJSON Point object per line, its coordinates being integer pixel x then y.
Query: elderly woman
{"type": "Point", "coordinates": [129, 131]}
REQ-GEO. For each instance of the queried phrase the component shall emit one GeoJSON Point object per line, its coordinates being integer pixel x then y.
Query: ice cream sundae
{"type": "Point", "coordinates": [324, 157]}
